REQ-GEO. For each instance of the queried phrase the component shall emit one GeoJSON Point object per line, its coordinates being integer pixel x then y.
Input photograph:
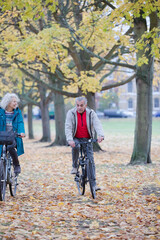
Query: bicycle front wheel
{"type": "Point", "coordinates": [12, 181]}
{"type": "Point", "coordinates": [80, 180]}
{"type": "Point", "coordinates": [90, 174]}
{"type": "Point", "coordinates": [2, 181]}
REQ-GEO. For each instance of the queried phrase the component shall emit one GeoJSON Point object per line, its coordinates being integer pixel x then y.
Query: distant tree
{"type": "Point", "coordinates": [108, 101]}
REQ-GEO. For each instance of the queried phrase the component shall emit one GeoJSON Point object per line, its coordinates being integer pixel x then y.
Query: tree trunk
{"type": "Point", "coordinates": [91, 100]}
{"type": "Point", "coordinates": [59, 109]}
{"type": "Point", "coordinates": [144, 79]}
{"type": "Point", "coordinates": [92, 104]}
{"type": "Point", "coordinates": [143, 129]}
{"type": "Point", "coordinates": [30, 122]}
{"type": "Point", "coordinates": [46, 137]}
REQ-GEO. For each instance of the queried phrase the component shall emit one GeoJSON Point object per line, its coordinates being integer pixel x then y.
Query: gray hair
{"type": "Point", "coordinates": [81, 99]}
{"type": "Point", "coordinates": [7, 99]}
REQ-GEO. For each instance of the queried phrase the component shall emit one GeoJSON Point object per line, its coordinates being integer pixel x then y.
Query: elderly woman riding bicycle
{"type": "Point", "coordinates": [11, 120]}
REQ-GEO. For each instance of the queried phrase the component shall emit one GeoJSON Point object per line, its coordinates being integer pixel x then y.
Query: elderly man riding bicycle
{"type": "Point", "coordinates": [81, 124]}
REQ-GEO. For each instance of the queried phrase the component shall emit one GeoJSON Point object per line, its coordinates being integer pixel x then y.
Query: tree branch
{"type": "Point", "coordinates": [117, 84]}
{"type": "Point", "coordinates": [5, 65]}
{"type": "Point", "coordinates": [110, 53]}
{"type": "Point", "coordinates": [94, 54]}
{"type": "Point", "coordinates": [31, 27]}
{"type": "Point", "coordinates": [49, 86]}
{"type": "Point", "coordinates": [108, 74]}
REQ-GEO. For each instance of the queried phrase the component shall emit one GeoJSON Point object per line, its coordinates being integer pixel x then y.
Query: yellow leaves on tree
{"type": "Point", "coordinates": [98, 31]}
{"type": "Point", "coordinates": [28, 9]}
{"type": "Point", "coordinates": [87, 82]}
{"type": "Point", "coordinates": [95, 32]}
{"type": "Point", "coordinates": [124, 16]}
{"type": "Point", "coordinates": [46, 46]}
{"type": "Point", "coordinates": [11, 80]}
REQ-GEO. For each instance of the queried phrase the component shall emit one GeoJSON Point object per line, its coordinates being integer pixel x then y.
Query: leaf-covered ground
{"type": "Point", "coordinates": [47, 205]}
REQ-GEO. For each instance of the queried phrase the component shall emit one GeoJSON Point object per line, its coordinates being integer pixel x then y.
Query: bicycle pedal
{"type": "Point", "coordinates": [76, 178]}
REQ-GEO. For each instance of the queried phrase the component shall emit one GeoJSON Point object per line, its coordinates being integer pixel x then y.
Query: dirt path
{"type": "Point", "coordinates": [47, 205]}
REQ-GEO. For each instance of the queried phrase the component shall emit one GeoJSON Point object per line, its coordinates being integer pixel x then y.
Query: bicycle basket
{"type": "Point", "coordinates": [6, 138]}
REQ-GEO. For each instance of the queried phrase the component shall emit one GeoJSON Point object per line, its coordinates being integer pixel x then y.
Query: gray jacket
{"type": "Point", "coordinates": [93, 124]}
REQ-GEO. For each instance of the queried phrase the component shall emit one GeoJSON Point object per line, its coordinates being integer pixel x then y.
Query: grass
{"type": "Point", "coordinates": [119, 126]}
{"type": "Point", "coordinates": [156, 127]}
{"type": "Point", "coordinates": [126, 126]}
{"type": "Point", "coordinates": [111, 126]}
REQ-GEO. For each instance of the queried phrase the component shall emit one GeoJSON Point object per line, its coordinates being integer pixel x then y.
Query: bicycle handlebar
{"type": "Point", "coordinates": [17, 134]}
{"type": "Point", "coordinates": [91, 140]}
{"type": "Point", "coordinates": [7, 137]}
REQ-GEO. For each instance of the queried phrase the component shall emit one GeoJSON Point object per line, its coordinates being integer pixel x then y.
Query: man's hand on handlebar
{"type": "Point", "coordinates": [72, 143]}
{"type": "Point", "coordinates": [100, 139]}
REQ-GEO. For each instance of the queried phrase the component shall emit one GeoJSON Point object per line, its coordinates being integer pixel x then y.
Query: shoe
{"type": "Point", "coordinates": [17, 169]}
{"type": "Point", "coordinates": [74, 170]}
{"type": "Point", "coordinates": [97, 188]}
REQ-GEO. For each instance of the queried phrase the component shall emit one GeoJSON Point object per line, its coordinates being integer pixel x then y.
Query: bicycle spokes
{"type": "Point", "coordinates": [86, 169]}
{"type": "Point", "coordinates": [2, 181]}
{"type": "Point", "coordinates": [80, 181]}
{"type": "Point", "coordinates": [13, 181]}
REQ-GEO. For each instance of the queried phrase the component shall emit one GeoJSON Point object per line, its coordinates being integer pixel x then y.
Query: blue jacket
{"type": "Point", "coordinates": [18, 127]}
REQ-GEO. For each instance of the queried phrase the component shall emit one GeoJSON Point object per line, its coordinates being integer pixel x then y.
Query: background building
{"type": "Point", "coordinates": [127, 97]}
{"type": "Point", "coordinates": [124, 98]}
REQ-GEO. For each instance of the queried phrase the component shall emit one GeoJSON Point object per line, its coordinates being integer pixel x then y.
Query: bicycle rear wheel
{"type": "Point", "coordinates": [12, 181]}
{"type": "Point", "coordinates": [91, 178]}
{"type": "Point", "coordinates": [80, 180]}
{"type": "Point", "coordinates": [2, 181]}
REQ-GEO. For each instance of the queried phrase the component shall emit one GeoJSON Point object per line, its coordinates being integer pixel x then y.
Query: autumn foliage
{"type": "Point", "coordinates": [47, 205]}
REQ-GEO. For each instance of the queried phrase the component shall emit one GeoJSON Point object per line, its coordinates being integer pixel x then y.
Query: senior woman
{"type": "Point", "coordinates": [11, 120]}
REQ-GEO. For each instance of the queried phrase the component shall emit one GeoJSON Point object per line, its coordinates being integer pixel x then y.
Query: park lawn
{"type": "Point", "coordinates": [119, 132]}
{"type": "Point", "coordinates": [127, 126]}
{"type": "Point", "coordinates": [124, 126]}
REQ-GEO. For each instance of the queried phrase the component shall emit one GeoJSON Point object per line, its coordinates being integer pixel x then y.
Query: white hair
{"type": "Point", "coordinates": [81, 99]}
{"type": "Point", "coordinates": [7, 99]}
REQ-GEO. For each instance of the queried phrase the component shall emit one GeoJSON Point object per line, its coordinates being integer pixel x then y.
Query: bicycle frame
{"type": "Point", "coordinates": [85, 166]}
{"type": "Point", "coordinates": [4, 173]}
{"type": "Point", "coordinates": [7, 162]}
{"type": "Point", "coordinates": [7, 176]}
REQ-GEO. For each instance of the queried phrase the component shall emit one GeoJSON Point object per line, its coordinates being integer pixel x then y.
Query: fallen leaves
{"type": "Point", "coordinates": [48, 206]}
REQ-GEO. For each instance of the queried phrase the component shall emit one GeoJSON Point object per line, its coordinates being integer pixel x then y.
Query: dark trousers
{"type": "Point", "coordinates": [75, 153]}
{"type": "Point", "coordinates": [13, 153]}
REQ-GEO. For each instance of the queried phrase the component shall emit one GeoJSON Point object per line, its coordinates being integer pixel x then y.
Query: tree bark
{"type": "Point", "coordinates": [91, 102]}
{"type": "Point", "coordinates": [46, 135]}
{"type": "Point", "coordinates": [30, 122]}
{"type": "Point", "coordinates": [144, 79]}
{"type": "Point", "coordinates": [59, 109]}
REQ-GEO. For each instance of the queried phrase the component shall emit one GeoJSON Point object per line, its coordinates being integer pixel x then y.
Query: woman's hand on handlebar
{"type": "Point", "coordinates": [22, 135]}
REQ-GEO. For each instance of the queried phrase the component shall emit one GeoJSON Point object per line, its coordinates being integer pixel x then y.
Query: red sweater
{"type": "Point", "coordinates": [82, 131]}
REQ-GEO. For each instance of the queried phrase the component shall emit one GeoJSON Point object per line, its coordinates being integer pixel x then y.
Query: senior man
{"type": "Point", "coordinates": [81, 124]}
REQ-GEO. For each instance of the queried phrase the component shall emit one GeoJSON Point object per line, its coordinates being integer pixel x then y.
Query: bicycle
{"type": "Point", "coordinates": [85, 170]}
{"type": "Point", "coordinates": [7, 175]}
